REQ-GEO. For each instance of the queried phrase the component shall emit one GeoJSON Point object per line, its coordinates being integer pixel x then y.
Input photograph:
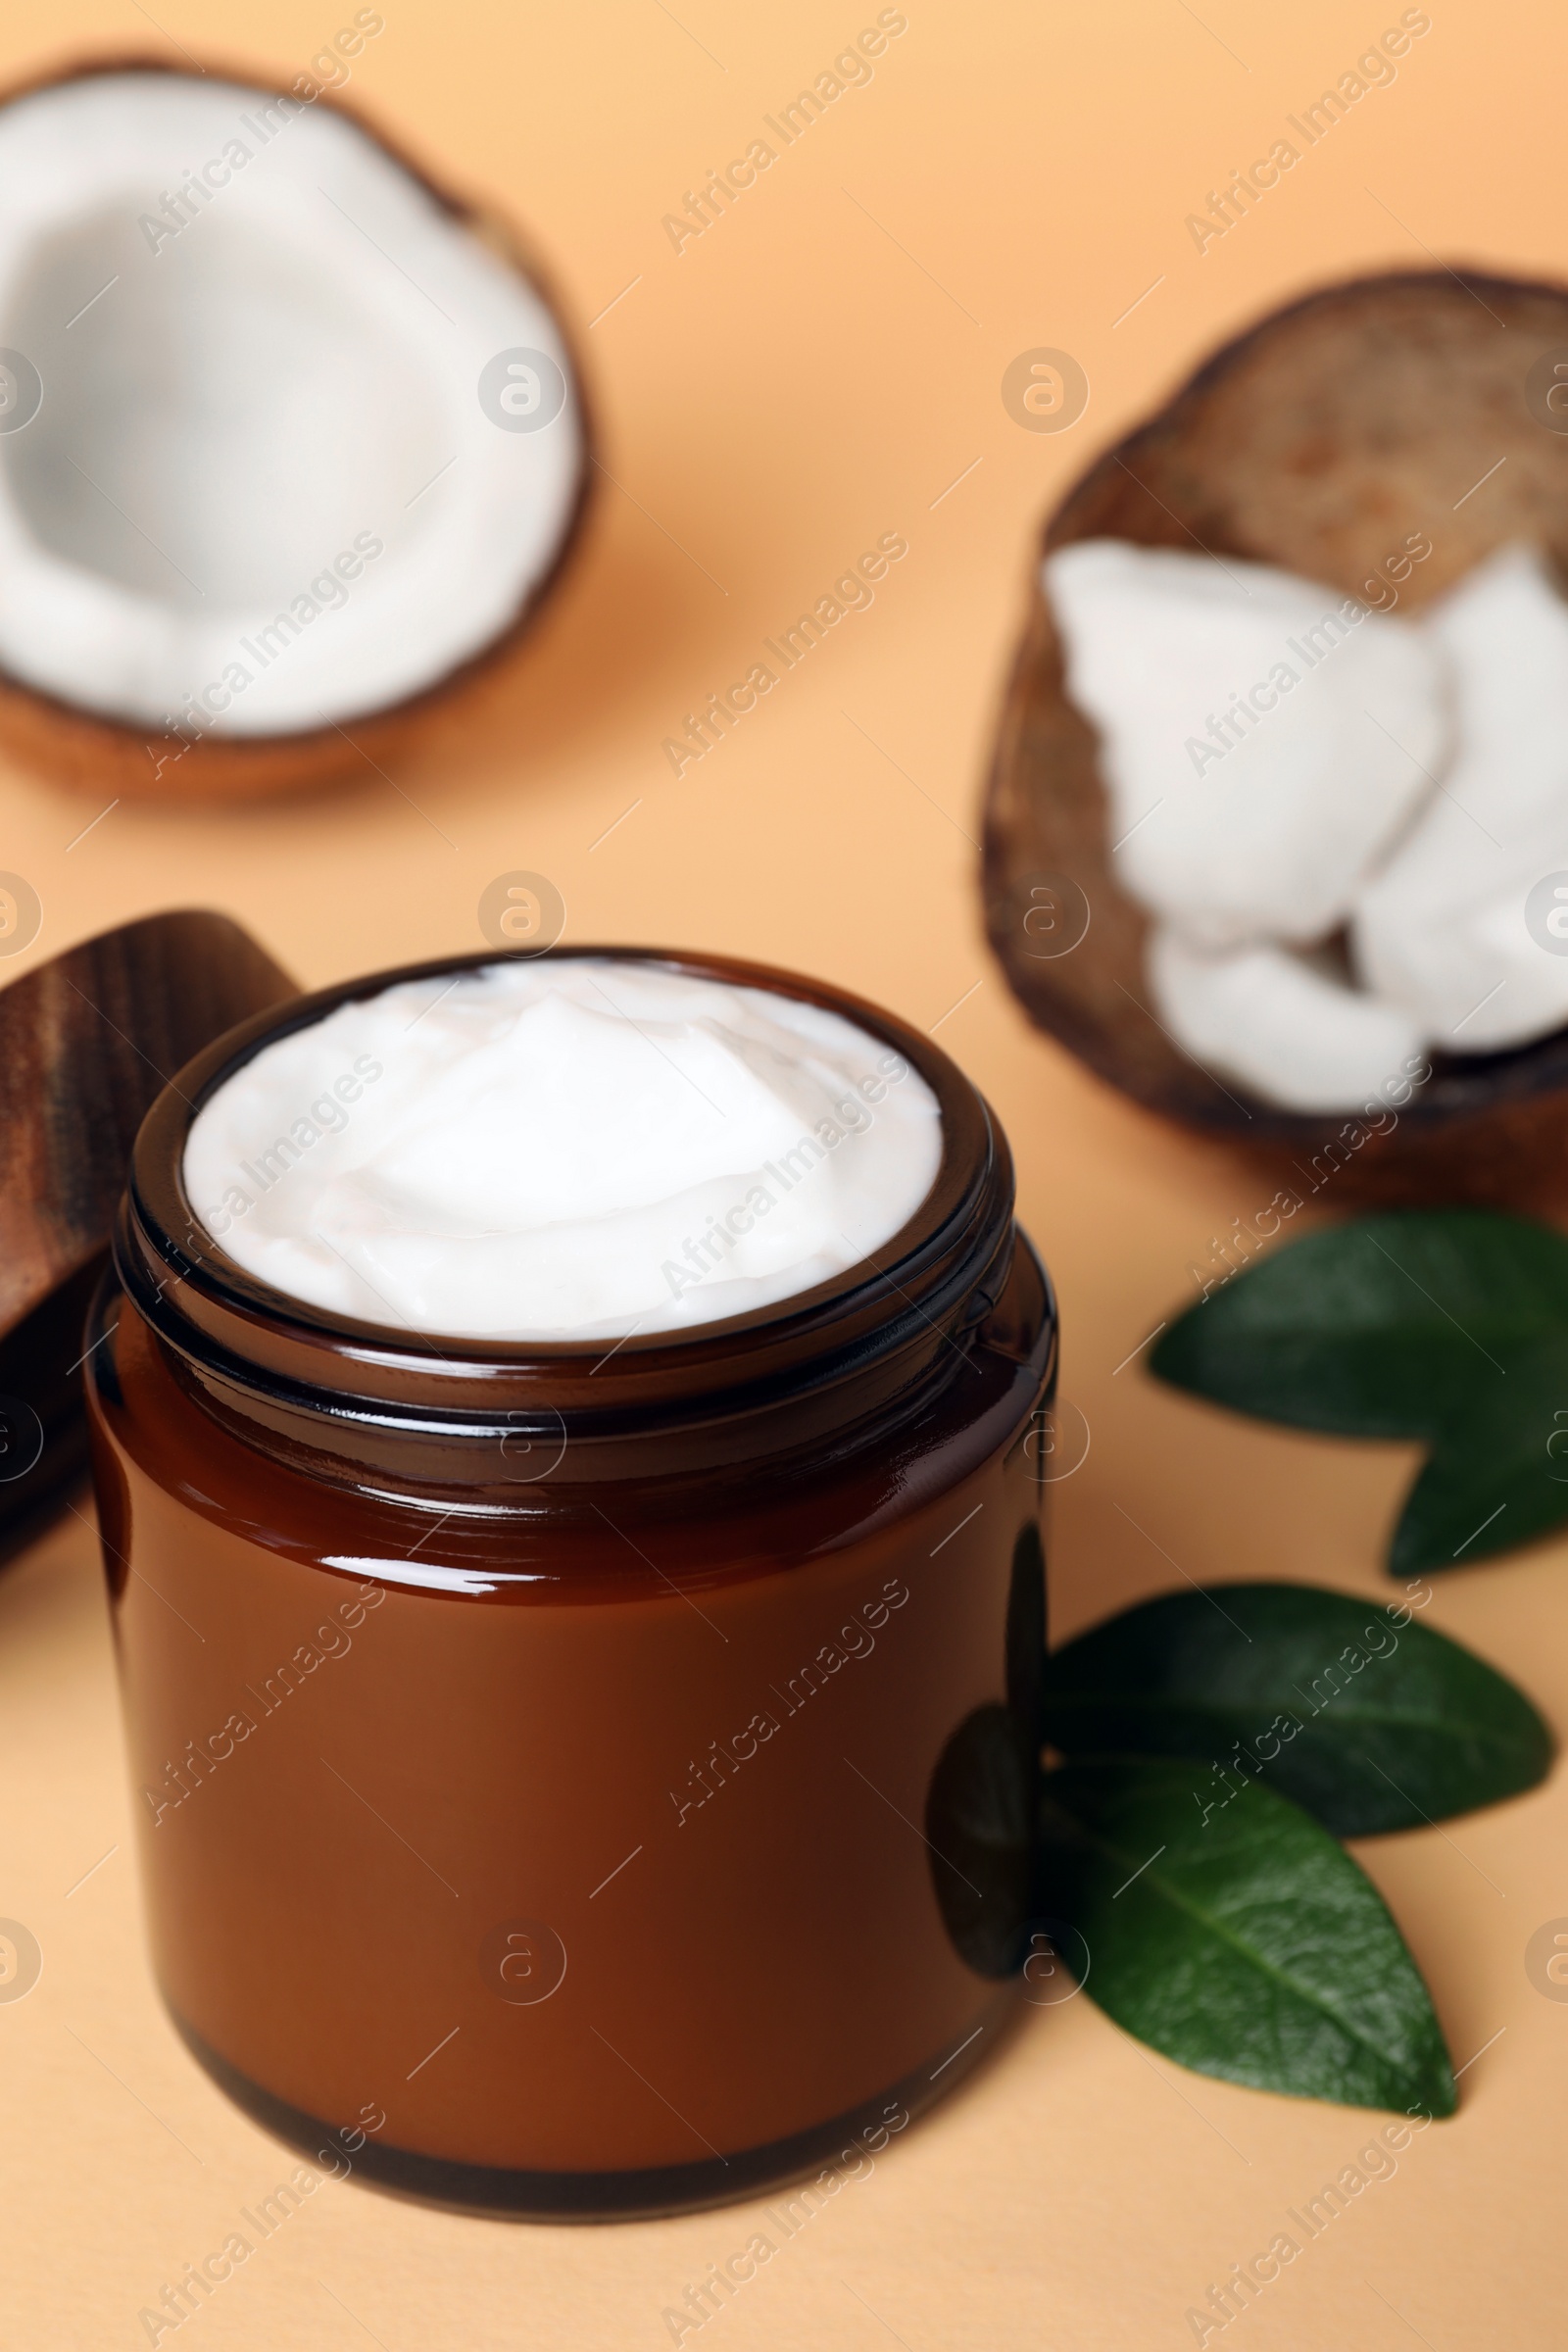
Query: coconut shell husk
{"type": "Point", "coordinates": [1318, 441]}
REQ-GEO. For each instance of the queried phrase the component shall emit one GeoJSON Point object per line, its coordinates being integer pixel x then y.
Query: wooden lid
{"type": "Point", "coordinates": [86, 1042]}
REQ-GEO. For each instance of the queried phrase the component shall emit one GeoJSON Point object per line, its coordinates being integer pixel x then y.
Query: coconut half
{"type": "Point", "coordinates": [1413, 405]}
{"type": "Point", "coordinates": [290, 442]}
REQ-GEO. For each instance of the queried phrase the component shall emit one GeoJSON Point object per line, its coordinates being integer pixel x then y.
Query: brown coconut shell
{"type": "Point", "coordinates": [1317, 441]}
{"type": "Point", "coordinates": [93, 752]}
{"type": "Point", "coordinates": [86, 1041]}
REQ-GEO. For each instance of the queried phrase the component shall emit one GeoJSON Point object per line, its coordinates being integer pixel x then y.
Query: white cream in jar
{"type": "Point", "coordinates": [564, 1148]}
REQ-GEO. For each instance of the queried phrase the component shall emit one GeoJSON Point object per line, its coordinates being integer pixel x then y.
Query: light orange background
{"type": "Point", "coordinates": [823, 367]}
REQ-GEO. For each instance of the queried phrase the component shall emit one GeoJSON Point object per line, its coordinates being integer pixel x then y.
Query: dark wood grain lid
{"type": "Point", "coordinates": [87, 1041]}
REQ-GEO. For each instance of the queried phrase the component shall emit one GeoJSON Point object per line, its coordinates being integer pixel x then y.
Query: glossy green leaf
{"type": "Point", "coordinates": [1448, 1326]}
{"type": "Point", "coordinates": [1497, 1477]}
{"type": "Point", "coordinates": [1248, 1945]}
{"type": "Point", "coordinates": [1368, 1722]}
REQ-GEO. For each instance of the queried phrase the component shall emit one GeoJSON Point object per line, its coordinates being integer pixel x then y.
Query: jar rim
{"type": "Point", "coordinates": [217, 1314]}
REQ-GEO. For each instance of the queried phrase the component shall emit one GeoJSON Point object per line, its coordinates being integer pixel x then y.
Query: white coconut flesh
{"type": "Point", "coordinates": [262, 488]}
{"type": "Point", "coordinates": [1441, 928]}
{"type": "Point", "coordinates": [1280, 1026]}
{"type": "Point", "coordinates": [1255, 841]}
{"type": "Point", "coordinates": [1263, 738]}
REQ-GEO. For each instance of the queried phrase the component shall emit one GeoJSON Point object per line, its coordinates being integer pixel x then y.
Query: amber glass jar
{"type": "Point", "coordinates": [537, 1746]}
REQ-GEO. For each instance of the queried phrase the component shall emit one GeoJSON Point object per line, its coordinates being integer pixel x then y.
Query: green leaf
{"type": "Point", "coordinates": [1251, 1947]}
{"type": "Point", "coordinates": [1448, 1326]}
{"type": "Point", "coordinates": [1498, 1478]}
{"type": "Point", "coordinates": [1369, 1723]}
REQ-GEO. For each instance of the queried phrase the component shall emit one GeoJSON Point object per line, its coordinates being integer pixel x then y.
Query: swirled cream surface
{"type": "Point", "coordinates": [563, 1148]}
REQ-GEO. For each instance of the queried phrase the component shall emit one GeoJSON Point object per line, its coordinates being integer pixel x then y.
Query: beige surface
{"type": "Point", "coordinates": [817, 368]}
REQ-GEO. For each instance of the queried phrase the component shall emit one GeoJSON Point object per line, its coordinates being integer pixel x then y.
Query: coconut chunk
{"type": "Point", "coordinates": [1286, 1032]}
{"type": "Point", "coordinates": [1263, 739]}
{"type": "Point", "coordinates": [1443, 929]}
